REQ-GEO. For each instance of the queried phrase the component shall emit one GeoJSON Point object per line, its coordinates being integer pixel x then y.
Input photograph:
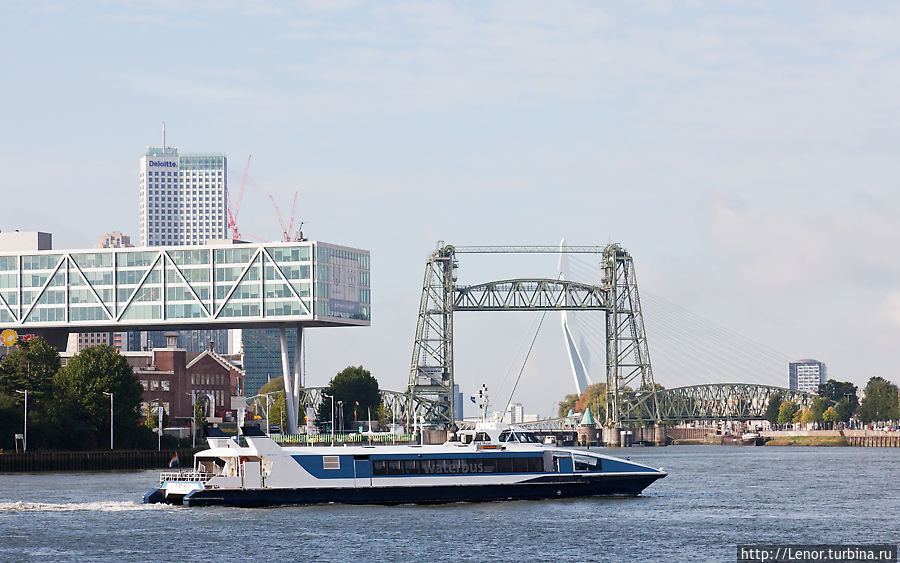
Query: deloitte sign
{"type": "Point", "coordinates": [162, 163]}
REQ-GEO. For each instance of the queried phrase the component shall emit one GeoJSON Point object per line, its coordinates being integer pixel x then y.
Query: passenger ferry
{"type": "Point", "coordinates": [491, 462]}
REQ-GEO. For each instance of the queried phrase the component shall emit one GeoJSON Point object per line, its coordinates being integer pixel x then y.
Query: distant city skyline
{"type": "Point", "coordinates": [744, 154]}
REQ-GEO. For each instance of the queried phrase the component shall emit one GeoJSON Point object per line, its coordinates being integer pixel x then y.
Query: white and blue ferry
{"type": "Point", "coordinates": [491, 462]}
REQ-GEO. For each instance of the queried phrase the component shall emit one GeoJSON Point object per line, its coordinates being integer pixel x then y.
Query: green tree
{"type": "Point", "coordinates": [818, 408]}
{"type": "Point", "coordinates": [30, 365]}
{"type": "Point", "coordinates": [199, 414]}
{"type": "Point", "coordinates": [11, 421]}
{"type": "Point", "coordinates": [773, 407]}
{"type": "Point", "coordinates": [880, 401]}
{"type": "Point", "coordinates": [830, 416]}
{"type": "Point", "coordinates": [354, 384]}
{"type": "Point", "coordinates": [567, 404]}
{"type": "Point", "coordinates": [837, 390]}
{"type": "Point", "coordinates": [594, 397]}
{"type": "Point", "coordinates": [786, 412]}
{"type": "Point", "coordinates": [807, 415]}
{"type": "Point", "coordinates": [845, 409]}
{"type": "Point", "coordinates": [151, 415]}
{"type": "Point", "coordinates": [276, 402]}
{"type": "Point", "coordinates": [79, 390]}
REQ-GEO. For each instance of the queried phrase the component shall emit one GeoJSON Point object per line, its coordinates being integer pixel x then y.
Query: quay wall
{"type": "Point", "coordinates": [872, 438]}
{"type": "Point", "coordinates": [92, 461]}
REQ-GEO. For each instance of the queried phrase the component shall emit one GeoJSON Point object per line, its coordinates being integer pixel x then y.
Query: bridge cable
{"type": "Point", "coordinates": [524, 362]}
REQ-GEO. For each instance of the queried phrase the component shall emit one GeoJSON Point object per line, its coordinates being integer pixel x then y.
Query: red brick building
{"type": "Point", "coordinates": [170, 376]}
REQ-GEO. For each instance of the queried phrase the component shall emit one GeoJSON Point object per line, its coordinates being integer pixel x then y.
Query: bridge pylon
{"type": "Point", "coordinates": [629, 375]}
{"type": "Point", "coordinates": [431, 368]}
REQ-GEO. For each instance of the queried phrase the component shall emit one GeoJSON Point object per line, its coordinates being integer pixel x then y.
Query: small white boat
{"type": "Point", "coordinates": [490, 462]}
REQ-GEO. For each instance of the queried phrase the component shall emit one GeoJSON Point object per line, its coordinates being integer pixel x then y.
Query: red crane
{"type": "Point", "coordinates": [232, 215]}
{"type": "Point", "coordinates": [286, 230]}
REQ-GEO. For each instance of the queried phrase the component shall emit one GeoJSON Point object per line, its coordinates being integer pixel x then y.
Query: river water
{"type": "Point", "coordinates": [714, 498]}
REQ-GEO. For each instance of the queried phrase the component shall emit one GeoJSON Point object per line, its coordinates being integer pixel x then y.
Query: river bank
{"type": "Point", "coordinates": [92, 461]}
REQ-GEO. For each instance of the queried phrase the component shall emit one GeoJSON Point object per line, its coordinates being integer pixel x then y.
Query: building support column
{"type": "Point", "coordinates": [289, 404]}
{"type": "Point", "coordinates": [298, 377]}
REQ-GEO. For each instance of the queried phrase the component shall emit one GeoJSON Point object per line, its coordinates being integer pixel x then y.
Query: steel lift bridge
{"type": "Point", "coordinates": [632, 395]}
{"type": "Point", "coordinates": [431, 376]}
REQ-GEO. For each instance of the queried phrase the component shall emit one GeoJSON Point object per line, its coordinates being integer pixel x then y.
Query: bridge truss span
{"type": "Point", "coordinates": [529, 295]}
{"type": "Point", "coordinates": [717, 401]}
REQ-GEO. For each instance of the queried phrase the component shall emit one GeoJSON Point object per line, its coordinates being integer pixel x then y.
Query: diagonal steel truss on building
{"type": "Point", "coordinates": [431, 375]}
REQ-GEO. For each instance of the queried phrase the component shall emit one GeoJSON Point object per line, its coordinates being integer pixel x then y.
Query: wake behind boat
{"type": "Point", "coordinates": [491, 462]}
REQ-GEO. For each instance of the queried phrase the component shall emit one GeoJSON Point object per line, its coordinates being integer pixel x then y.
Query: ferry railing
{"type": "Point", "coordinates": [309, 439]}
{"type": "Point", "coordinates": [186, 475]}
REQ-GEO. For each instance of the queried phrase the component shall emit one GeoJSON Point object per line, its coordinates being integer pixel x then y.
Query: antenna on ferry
{"type": "Point", "coordinates": [483, 402]}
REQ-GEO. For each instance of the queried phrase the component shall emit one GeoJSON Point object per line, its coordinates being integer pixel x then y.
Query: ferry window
{"type": "Point", "coordinates": [410, 467]}
{"type": "Point", "coordinates": [331, 462]}
{"type": "Point", "coordinates": [526, 437]}
{"type": "Point", "coordinates": [504, 436]}
{"type": "Point", "coordinates": [482, 437]}
{"type": "Point", "coordinates": [587, 463]}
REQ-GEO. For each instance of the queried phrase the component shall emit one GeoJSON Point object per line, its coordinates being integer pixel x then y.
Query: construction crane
{"type": "Point", "coordinates": [232, 215]}
{"type": "Point", "coordinates": [287, 230]}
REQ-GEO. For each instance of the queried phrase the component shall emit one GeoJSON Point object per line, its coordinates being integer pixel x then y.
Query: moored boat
{"type": "Point", "coordinates": [491, 462]}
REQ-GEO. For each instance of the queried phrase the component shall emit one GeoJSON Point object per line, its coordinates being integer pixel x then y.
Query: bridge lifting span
{"type": "Point", "coordinates": [431, 376]}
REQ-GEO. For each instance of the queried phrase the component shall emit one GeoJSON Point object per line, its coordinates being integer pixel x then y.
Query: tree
{"type": "Point", "coordinates": [880, 401]}
{"type": "Point", "coordinates": [276, 402]}
{"type": "Point", "coordinates": [354, 384]}
{"type": "Point", "coordinates": [594, 397]}
{"type": "Point", "coordinates": [807, 416]}
{"type": "Point", "coordinates": [567, 404]}
{"type": "Point", "coordinates": [818, 408]}
{"type": "Point", "coordinates": [845, 409]}
{"type": "Point", "coordinates": [786, 412]}
{"type": "Point", "coordinates": [199, 415]}
{"type": "Point", "coordinates": [79, 395]}
{"type": "Point", "coordinates": [773, 407]}
{"type": "Point", "coordinates": [830, 415]}
{"type": "Point", "coordinates": [837, 390]}
{"type": "Point", "coordinates": [30, 365]}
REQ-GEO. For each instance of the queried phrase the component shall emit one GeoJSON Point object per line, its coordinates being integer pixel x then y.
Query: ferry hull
{"type": "Point", "coordinates": [539, 488]}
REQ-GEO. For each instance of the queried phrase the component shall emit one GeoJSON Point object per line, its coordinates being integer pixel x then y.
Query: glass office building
{"type": "Point", "coordinates": [204, 287]}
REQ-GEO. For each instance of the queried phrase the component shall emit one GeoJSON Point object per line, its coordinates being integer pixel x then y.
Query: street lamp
{"type": "Point", "coordinates": [110, 395]}
{"type": "Point", "coordinates": [25, 436]}
{"type": "Point", "coordinates": [332, 416]}
{"type": "Point", "coordinates": [341, 414]}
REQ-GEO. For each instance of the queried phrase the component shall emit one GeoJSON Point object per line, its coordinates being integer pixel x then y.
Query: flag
{"type": "Point", "coordinates": [473, 399]}
{"type": "Point", "coordinates": [174, 461]}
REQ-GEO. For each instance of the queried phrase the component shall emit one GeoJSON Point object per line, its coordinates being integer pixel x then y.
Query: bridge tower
{"type": "Point", "coordinates": [431, 368]}
{"type": "Point", "coordinates": [627, 353]}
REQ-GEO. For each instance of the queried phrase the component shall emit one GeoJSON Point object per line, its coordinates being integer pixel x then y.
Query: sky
{"type": "Point", "coordinates": [744, 154]}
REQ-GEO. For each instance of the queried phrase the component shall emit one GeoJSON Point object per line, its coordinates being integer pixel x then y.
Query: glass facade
{"type": "Point", "coordinates": [204, 285]}
{"type": "Point", "coordinates": [261, 350]}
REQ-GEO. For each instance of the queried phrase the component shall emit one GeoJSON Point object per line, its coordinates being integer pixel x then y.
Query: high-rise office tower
{"type": "Point", "coordinates": [806, 375]}
{"type": "Point", "coordinates": [183, 201]}
{"type": "Point", "coordinates": [183, 197]}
